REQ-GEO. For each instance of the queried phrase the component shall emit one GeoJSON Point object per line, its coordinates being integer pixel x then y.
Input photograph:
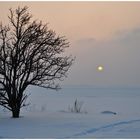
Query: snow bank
{"type": "Point", "coordinates": [48, 115]}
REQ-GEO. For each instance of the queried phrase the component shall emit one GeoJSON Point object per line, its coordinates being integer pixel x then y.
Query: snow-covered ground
{"type": "Point", "coordinates": [106, 113]}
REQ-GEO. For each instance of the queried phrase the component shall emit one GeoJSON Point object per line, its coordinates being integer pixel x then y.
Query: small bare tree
{"type": "Point", "coordinates": [30, 54]}
{"type": "Point", "coordinates": [77, 107]}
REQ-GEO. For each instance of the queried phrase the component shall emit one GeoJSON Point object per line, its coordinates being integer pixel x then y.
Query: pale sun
{"type": "Point", "coordinates": [100, 68]}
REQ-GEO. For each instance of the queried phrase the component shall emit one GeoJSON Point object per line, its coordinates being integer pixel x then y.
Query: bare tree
{"type": "Point", "coordinates": [30, 54]}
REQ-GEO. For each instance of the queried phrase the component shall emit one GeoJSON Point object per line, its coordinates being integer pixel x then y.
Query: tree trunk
{"type": "Point", "coordinates": [15, 113]}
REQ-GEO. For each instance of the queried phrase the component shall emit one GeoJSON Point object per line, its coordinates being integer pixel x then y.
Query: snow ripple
{"type": "Point", "coordinates": [93, 130]}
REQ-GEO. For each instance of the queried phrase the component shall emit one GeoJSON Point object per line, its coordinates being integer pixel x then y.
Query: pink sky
{"type": "Point", "coordinates": [100, 33]}
{"type": "Point", "coordinates": [100, 20]}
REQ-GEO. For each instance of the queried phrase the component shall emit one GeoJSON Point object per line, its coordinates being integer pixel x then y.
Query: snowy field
{"type": "Point", "coordinates": [105, 113]}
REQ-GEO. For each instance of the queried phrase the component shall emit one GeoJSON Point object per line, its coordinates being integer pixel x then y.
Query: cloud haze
{"type": "Point", "coordinates": [120, 58]}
